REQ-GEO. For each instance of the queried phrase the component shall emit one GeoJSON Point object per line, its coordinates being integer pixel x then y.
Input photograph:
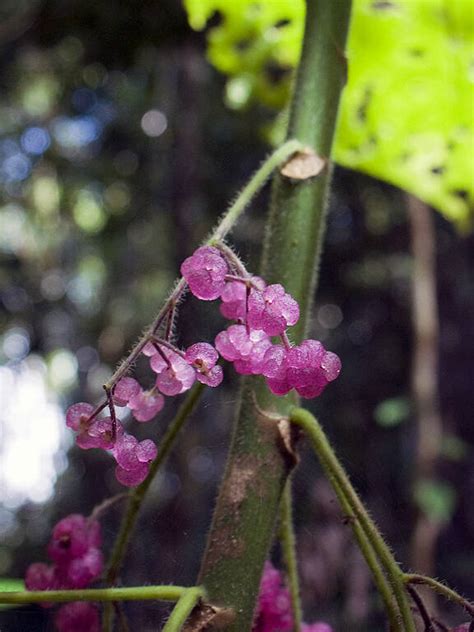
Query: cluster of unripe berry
{"type": "Point", "coordinates": [259, 312]}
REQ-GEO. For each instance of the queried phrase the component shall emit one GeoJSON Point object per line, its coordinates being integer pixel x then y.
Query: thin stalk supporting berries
{"type": "Point", "coordinates": [259, 312]}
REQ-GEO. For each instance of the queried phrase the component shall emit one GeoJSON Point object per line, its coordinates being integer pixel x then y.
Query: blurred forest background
{"type": "Point", "coordinates": [118, 151]}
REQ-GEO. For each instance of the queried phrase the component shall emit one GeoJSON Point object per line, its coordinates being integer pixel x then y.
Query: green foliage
{"type": "Point", "coordinates": [392, 412]}
{"type": "Point", "coordinates": [407, 112]}
{"type": "Point", "coordinates": [435, 499]}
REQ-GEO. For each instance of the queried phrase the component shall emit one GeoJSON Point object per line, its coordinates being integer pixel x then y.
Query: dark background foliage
{"type": "Point", "coordinates": [132, 157]}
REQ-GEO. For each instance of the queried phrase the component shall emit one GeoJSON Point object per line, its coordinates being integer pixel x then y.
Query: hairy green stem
{"type": "Point", "coordinates": [322, 447]}
{"type": "Point", "coordinates": [254, 185]}
{"type": "Point", "coordinates": [135, 593]}
{"type": "Point", "coordinates": [287, 541]}
{"type": "Point", "coordinates": [259, 462]}
{"type": "Point", "coordinates": [183, 609]}
{"type": "Point", "coordinates": [365, 546]}
{"type": "Point", "coordinates": [442, 589]}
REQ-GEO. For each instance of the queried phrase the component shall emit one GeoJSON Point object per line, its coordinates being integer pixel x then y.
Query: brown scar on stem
{"type": "Point", "coordinates": [206, 617]}
{"type": "Point", "coordinates": [289, 433]}
{"type": "Point", "coordinates": [303, 164]}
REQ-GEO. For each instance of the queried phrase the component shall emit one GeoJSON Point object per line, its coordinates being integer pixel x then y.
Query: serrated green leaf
{"type": "Point", "coordinates": [407, 114]}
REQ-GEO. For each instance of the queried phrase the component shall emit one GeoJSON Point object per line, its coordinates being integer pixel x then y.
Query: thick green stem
{"type": "Point", "coordinates": [259, 462]}
{"type": "Point", "coordinates": [287, 541]}
{"type": "Point", "coordinates": [323, 449]}
{"type": "Point", "coordinates": [136, 593]}
{"type": "Point", "coordinates": [183, 609]}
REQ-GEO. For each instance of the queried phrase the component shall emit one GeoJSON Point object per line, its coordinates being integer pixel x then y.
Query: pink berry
{"type": "Point", "coordinates": [245, 349]}
{"type": "Point", "coordinates": [278, 387]}
{"type": "Point", "coordinates": [125, 452]}
{"type": "Point", "coordinates": [101, 432]}
{"type": "Point", "coordinates": [77, 414]}
{"type": "Point", "coordinates": [146, 451]}
{"type": "Point", "coordinates": [212, 378]}
{"type": "Point", "coordinates": [252, 362]}
{"type": "Point", "coordinates": [272, 310]}
{"type": "Point", "coordinates": [149, 349]}
{"type": "Point", "coordinates": [304, 371]}
{"type": "Point", "coordinates": [202, 354]}
{"type": "Point", "coordinates": [234, 301]}
{"type": "Point", "coordinates": [125, 389]}
{"type": "Point", "coordinates": [131, 478]}
{"type": "Point", "coordinates": [83, 570]}
{"type": "Point", "coordinates": [229, 346]}
{"type": "Point", "coordinates": [146, 404]}
{"type": "Point", "coordinates": [157, 362]}
{"type": "Point", "coordinates": [72, 538]}
{"type": "Point", "coordinates": [176, 378]}
{"type": "Point", "coordinates": [205, 273]}
{"type": "Point", "coordinates": [274, 362]}
{"type": "Point", "coordinates": [331, 365]}
{"type": "Point", "coordinates": [78, 616]}
{"type": "Point", "coordinates": [203, 357]}
{"type": "Point", "coordinates": [86, 442]}
{"type": "Point", "coordinates": [40, 577]}
{"type": "Point", "coordinates": [274, 603]}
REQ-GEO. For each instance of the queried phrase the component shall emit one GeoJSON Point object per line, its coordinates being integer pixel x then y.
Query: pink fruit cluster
{"type": "Point", "coordinates": [274, 613]}
{"type": "Point", "coordinates": [259, 312]}
{"type": "Point", "coordinates": [74, 549]}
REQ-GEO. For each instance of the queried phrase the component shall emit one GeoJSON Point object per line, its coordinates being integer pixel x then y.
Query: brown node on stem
{"type": "Point", "coordinates": [303, 164]}
{"type": "Point", "coordinates": [207, 617]}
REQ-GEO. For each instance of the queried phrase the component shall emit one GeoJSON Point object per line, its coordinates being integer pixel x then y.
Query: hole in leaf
{"type": "Point", "coordinates": [463, 194]}
{"type": "Point", "coordinates": [276, 73]}
{"type": "Point", "coordinates": [437, 171]}
{"type": "Point", "coordinates": [381, 5]}
{"type": "Point", "coordinates": [243, 45]}
{"type": "Point", "coordinates": [282, 23]}
{"type": "Point", "coordinates": [363, 107]}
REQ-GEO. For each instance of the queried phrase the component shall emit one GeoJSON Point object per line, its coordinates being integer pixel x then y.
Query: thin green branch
{"type": "Point", "coordinates": [287, 541]}
{"type": "Point", "coordinates": [253, 186]}
{"type": "Point", "coordinates": [380, 580]}
{"type": "Point", "coordinates": [137, 496]}
{"type": "Point", "coordinates": [135, 593]}
{"type": "Point", "coordinates": [228, 221]}
{"type": "Point", "coordinates": [442, 589]}
{"type": "Point", "coordinates": [183, 609]}
{"type": "Point", "coordinates": [323, 449]}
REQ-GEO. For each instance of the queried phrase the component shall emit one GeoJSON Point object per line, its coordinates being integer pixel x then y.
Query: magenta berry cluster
{"type": "Point", "coordinates": [259, 312]}
{"type": "Point", "coordinates": [77, 616]}
{"type": "Point", "coordinates": [75, 551]}
{"type": "Point", "coordinates": [77, 561]}
{"type": "Point", "coordinates": [274, 610]}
